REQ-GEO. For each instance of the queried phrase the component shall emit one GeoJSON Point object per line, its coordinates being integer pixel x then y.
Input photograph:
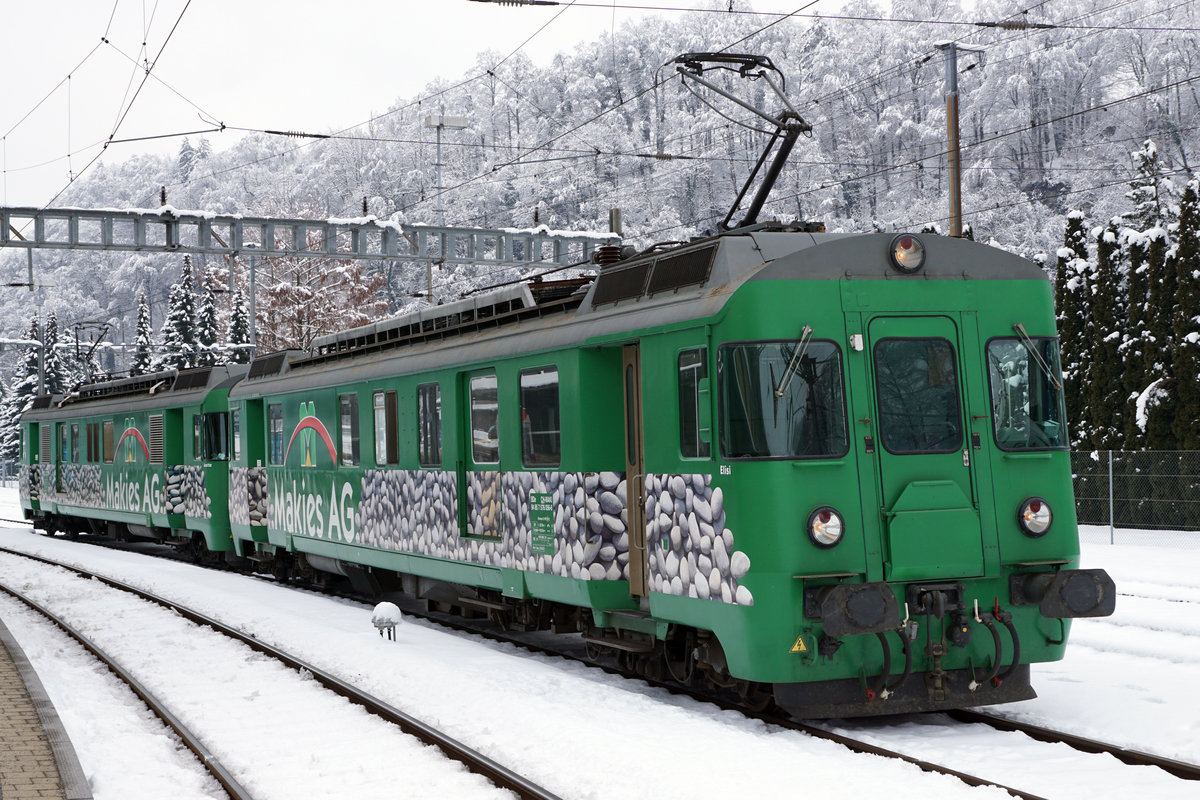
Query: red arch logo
{"type": "Point", "coordinates": [312, 423]}
{"type": "Point", "coordinates": [136, 434]}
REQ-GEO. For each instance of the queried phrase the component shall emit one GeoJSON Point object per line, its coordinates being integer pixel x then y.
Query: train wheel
{"type": "Point", "coordinates": [652, 666]}
{"type": "Point", "coordinates": [754, 696]}
{"type": "Point", "coordinates": [197, 550]}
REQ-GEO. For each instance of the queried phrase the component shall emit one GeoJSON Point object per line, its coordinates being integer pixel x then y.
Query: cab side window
{"type": "Point", "coordinates": [693, 368]}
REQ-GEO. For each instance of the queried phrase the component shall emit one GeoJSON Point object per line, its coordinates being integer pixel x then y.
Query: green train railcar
{"type": "Point", "coordinates": [826, 469]}
{"type": "Point", "coordinates": [144, 456]}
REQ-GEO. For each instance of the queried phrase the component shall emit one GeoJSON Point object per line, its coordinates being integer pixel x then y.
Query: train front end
{"type": "Point", "coordinates": [894, 454]}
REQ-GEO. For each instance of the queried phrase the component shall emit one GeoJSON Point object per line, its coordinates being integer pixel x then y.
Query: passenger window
{"type": "Point", "coordinates": [64, 450]}
{"type": "Point", "coordinates": [75, 442]}
{"type": "Point", "coordinates": [235, 427]}
{"type": "Point", "coordinates": [693, 368]}
{"type": "Point", "coordinates": [387, 447]}
{"type": "Point", "coordinates": [429, 425]}
{"type": "Point", "coordinates": [541, 439]}
{"type": "Point", "coordinates": [197, 438]}
{"type": "Point", "coordinates": [275, 432]}
{"type": "Point", "coordinates": [348, 422]}
{"type": "Point", "coordinates": [215, 436]}
{"type": "Point", "coordinates": [485, 418]}
{"type": "Point", "coordinates": [109, 444]}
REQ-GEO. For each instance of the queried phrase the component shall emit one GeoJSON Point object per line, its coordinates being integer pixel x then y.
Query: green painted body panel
{"type": "Point", "coordinates": [907, 517]}
{"type": "Point", "coordinates": [130, 489]}
{"type": "Point", "coordinates": [727, 548]}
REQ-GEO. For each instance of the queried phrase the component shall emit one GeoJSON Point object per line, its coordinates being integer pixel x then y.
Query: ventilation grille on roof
{"type": "Point", "coordinates": [621, 283]}
{"type": "Point", "coordinates": [682, 269]}
{"type": "Point", "coordinates": [267, 365]}
{"type": "Point", "coordinates": [664, 273]}
{"type": "Point", "coordinates": [192, 379]}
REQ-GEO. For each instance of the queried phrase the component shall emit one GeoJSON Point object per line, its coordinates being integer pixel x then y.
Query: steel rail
{"type": "Point", "coordinates": [473, 760]}
{"type": "Point", "coordinates": [854, 745]}
{"type": "Point", "coordinates": [1127, 755]}
{"type": "Point", "coordinates": [211, 763]}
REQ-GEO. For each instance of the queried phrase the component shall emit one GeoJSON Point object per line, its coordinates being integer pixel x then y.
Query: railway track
{"type": "Point", "coordinates": [1126, 755]}
{"type": "Point", "coordinates": [474, 761]}
{"type": "Point", "coordinates": [578, 654]}
{"type": "Point", "coordinates": [190, 740]}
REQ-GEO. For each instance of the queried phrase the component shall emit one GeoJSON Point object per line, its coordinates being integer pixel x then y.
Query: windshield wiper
{"type": "Point", "coordinates": [790, 372]}
{"type": "Point", "coordinates": [1033, 351]}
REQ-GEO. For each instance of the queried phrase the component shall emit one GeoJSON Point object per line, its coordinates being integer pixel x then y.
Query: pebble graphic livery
{"type": "Point", "coordinates": [770, 463]}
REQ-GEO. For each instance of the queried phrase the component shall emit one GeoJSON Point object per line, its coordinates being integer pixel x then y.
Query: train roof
{"type": "Point", "coordinates": [156, 390]}
{"type": "Point", "coordinates": [649, 290]}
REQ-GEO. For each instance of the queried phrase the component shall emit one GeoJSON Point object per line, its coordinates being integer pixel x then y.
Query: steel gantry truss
{"type": "Point", "coordinates": [166, 230]}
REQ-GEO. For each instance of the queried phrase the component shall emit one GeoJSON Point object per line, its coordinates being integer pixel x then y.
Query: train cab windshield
{"type": "Point", "coordinates": [782, 399]}
{"type": "Point", "coordinates": [1027, 397]}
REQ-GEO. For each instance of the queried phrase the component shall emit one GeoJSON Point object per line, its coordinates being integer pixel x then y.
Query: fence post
{"type": "Point", "coordinates": [1112, 535]}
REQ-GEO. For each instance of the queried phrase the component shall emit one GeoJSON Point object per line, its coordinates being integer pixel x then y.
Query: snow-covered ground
{"type": "Point", "coordinates": [585, 734]}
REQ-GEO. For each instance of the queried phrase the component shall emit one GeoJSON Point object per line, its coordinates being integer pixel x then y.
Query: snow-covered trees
{"type": "Point", "coordinates": [1106, 397]}
{"type": "Point", "coordinates": [20, 397]}
{"type": "Point", "coordinates": [1071, 299]}
{"type": "Point", "coordinates": [299, 300]}
{"type": "Point", "coordinates": [178, 332]}
{"type": "Point", "coordinates": [239, 330]}
{"type": "Point", "coordinates": [143, 340]}
{"type": "Point", "coordinates": [1130, 324]}
{"type": "Point", "coordinates": [1185, 362]}
{"type": "Point", "coordinates": [56, 378]}
{"type": "Point", "coordinates": [1049, 119]}
{"type": "Point", "coordinates": [206, 330]}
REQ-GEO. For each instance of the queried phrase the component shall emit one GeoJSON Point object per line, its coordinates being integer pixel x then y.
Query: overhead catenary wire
{"type": "Point", "coordinates": [529, 161]}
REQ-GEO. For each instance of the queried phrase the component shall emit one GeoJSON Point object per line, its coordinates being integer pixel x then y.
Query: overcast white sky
{"type": "Point", "coordinates": [313, 65]}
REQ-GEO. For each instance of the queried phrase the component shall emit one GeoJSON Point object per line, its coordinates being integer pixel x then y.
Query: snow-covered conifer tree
{"type": "Point", "coordinates": [142, 358]}
{"type": "Point", "coordinates": [1105, 392]}
{"type": "Point", "coordinates": [1071, 295]}
{"type": "Point", "coordinates": [239, 330]}
{"type": "Point", "coordinates": [18, 401]}
{"type": "Point", "coordinates": [1186, 360]}
{"type": "Point", "coordinates": [55, 368]}
{"type": "Point", "coordinates": [206, 330]}
{"type": "Point", "coordinates": [178, 334]}
{"type": "Point", "coordinates": [186, 161]}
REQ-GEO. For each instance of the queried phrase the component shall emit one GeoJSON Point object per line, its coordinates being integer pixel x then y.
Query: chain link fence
{"type": "Point", "coordinates": [8, 473]}
{"type": "Point", "coordinates": [1143, 497]}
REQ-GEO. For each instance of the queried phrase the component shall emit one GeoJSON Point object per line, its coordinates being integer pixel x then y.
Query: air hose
{"type": "Point", "coordinates": [1006, 618]}
{"type": "Point", "coordinates": [880, 684]}
{"type": "Point", "coordinates": [881, 689]}
{"type": "Point", "coordinates": [986, 620]}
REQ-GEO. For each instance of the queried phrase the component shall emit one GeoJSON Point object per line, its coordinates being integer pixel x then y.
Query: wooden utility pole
{"type": "Point", "coordinates": [951, 49]}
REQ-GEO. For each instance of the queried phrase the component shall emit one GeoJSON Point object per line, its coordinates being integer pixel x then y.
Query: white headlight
{"type": "Point", "coordinates": [825, 527]}
{"type": "Point", "coordinates": [1035, 516]}
{"type": "Point", "coordinates": [908, 253]}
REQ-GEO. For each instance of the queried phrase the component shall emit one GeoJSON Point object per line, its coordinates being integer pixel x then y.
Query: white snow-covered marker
{"type": "Point", "coordinates": [386, 617]}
